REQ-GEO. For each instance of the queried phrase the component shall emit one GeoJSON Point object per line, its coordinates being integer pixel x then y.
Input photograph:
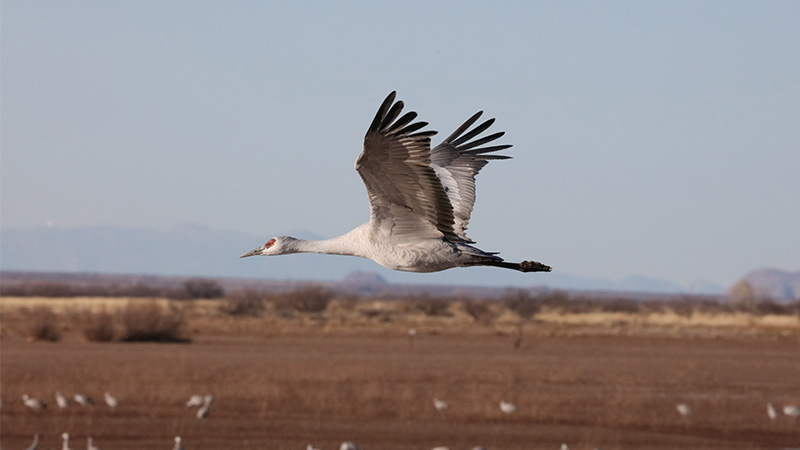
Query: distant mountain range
{"type": "Point", "coordinates": [190, 250]}
{"type": "Point", "coordinates": [776, 284]}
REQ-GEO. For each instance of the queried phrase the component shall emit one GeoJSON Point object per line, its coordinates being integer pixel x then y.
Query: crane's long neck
{"type": "Point", "coordinates": [346, 244]}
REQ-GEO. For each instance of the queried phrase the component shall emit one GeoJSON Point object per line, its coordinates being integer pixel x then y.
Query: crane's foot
{"type": "Point", "coordinates": [534, 266]}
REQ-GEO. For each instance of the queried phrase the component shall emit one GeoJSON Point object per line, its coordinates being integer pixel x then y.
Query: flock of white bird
{"type": "Point", "coordinates": [203, 405]}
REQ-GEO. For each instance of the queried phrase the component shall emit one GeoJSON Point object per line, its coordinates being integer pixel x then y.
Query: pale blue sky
{"type": "Point", "coordinates": [650, 137]}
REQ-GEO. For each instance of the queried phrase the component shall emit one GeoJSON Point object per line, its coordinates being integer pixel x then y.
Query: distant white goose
{"type": "Point", "coordinates": [177, 445]}
{"type": "Point", "coordinates": [771, 412]}
{"type": "Point", "coordinates": [440, 405]}
{"type": "Point", "coordinates": [420, 199]}
{"type": "Point", "coordinates": [61, 401]}
{"type": "Point", "coordinates": [683, 409]}
{"type": "Point", "coordinates": [195, 400]}
{"type": "Point", "coordinates": [791, 410]}
{"type": "Point", "coordinates": [33, 403]}
{"type": "Point", "coordinates": [65, 441]}
{"type": "Point", "coordinates": [349, 445]}
{"type": "Point", "coordinates": [202, 413]}
{"type": "Point", "coordinates": [111, 401]}
{"type": "Point", "coordinates": [310, 447]}
{"type": "Point", "coordinates": [90, 445]}
{"type": "Point", "coordinates": [507, 407]}
{"type": "Point", "coordinates": [83, 399]}
{"type": "Point", "coordinates": [35, 444]}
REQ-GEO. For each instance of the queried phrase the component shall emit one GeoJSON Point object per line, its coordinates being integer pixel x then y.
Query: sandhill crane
{"type": "Point", "coordinates": [195, 400]}
{"type": "Point", "coordinates": [61, 401]}
{"type": "Point", "coordinates": [202, 413]}
{"type": "Point", "coordinates": [35, 444]}
{"type": "Point", "coordinates": [177, 445]}
{"type": "Point", "coordinates": [65, 441]}
{"type": "Point", "coordinates": [771, 412]}
{"type": "Point", "coordinates": [683, 409]}
{"type": "Point", "coordinates": [507, 407]}
{"type": "Point", "coordinates": [349, 445]}
{"type": "Point", "coordinates": [791, 410]}
{"type": "Point", "coordinates": [83, 399]}
{"type": "Point", "coordinates": [33, 403]}
{"type": "Point", "coordinates": [111, 401]}
{"type": "Point", "coordinates": [420, 199]}
{"type": "Point", "coordinates": [440, 405]}
{"type": "Point", "coordinates": [90, 445]}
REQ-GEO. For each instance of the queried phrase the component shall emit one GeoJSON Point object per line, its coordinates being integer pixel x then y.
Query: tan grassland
{"type": "Point", "coordinates": [285, 379]}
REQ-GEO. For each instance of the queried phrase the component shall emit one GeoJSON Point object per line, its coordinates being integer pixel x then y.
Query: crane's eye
{"type": "Point", "coordinates": [269, 243]}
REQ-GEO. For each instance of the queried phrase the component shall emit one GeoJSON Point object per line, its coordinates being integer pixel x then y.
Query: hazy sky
{"type": "Point", "coordinates": [650, 137]}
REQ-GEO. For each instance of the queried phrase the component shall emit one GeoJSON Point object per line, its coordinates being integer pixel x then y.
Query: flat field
{"type": "Point", "coordinates": [308, 382]}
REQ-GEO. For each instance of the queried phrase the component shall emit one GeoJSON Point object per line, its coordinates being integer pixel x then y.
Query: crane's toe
{"type": "Point", "coordinates": [534, 266]}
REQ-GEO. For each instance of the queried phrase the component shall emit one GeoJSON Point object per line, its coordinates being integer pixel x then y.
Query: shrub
{"type": "Point", "coordinates": [42, 325]}
{"type": "Point", "coordinates": [149, 322]}
{"type": "Point", "coordinates": [246, 303]}
{"type": "Point", "coordinates": [98, 327]}
{"type": "Point", "coordinates": [432, 306]}
{"type": "Point", "coordinates": [479, 310]}
{"type": "Point", "coordinates": [312, 299]}
{"type": "Point", "coordinates": [202, 288]}
{"type": "Point", "coordinates": [522, 303]}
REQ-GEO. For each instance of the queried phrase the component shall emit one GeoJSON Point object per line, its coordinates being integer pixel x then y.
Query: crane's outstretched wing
{"type": "Point", "coordinates": [406, 196]}
{"type": "Point", "coordinates": [457, 161]}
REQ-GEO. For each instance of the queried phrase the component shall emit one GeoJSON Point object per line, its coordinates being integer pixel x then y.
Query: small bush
{"type": "Point", "coordinates": [431, 306]}
{"type": "Point", "coordinates": [202, 288]}
{"type": "Point", "coordinates": [149, 322]}
{"type": "Point", "coordinates": [313, 299]}
{"type": "Point", "coordinates": [479, 310]}
{"type": "Point", "coordinates": [246, 303]}
{"type": "Point", "coordinates": [523, 304]}
{"type": "Point", "coordinates": [98, 327]}
{"type": "Point", "coordinates": [42, 325]}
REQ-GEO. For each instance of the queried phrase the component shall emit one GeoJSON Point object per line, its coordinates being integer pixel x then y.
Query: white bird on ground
{"type": "Point", "coordinates": [564, 447]}
{"type": "Point", "coordinates": [349, 445]}
{"type": "Point", "coordinates": [35, 444]}
{"type": "Point", "coordinates": [683, 409]}
{"type": "Point", "coordinates": [177, 445]}
{"type": "Point", "coordinates": [791, 410]}
{"type": "Point", "coordinates": [61, 401]}
{"type": "Point", "coordinates": [310, 447]}
{"type": "Point", "coordinates": [478, 447]}
{"type": "Point", "coordinates": [771, 412]}
{"type": "Point", "coordinates": [440, 405]}
{"type": "Point", "coordinates": [111, 401]}
{"type": "Point", "coordinates": [202, 413]}
{"type": "Point", "coordinates": [65, 441]}
{"type": "Point", "coordinates": [441, 448]}
{"type": "Point", "coordinates": [195, 400]}
{"type": "Point", "coordinates": [33, 403]}
{"type": "Point", "coordinates": [83, 399]}
{"type": "Point", "coordinates": [420, 199]}
{"type": "Point", "coordinates": [90, 445]}
{"type": "Point", "coordinates": [507, 407]}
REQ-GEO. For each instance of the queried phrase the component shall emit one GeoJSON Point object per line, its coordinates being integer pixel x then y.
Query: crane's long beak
{"type": "Point", "coordinates": [251, 253]}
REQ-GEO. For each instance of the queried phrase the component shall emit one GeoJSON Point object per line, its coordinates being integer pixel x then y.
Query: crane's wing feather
{"type": "Point", "coordinates": [406, 195]}
{"type": "Point", "coordinates": [457, 160]}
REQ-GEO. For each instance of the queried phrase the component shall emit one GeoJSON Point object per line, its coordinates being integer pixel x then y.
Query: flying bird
{"type": "Point", "coordinates": [421, 199]}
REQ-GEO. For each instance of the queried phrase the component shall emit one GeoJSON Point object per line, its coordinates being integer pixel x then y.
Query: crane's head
{"type": "Point", "coordinates": [280, 245]}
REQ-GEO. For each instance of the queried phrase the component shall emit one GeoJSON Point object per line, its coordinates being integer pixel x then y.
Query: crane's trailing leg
{"type": "Point", "coordinates": [524, 266]}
